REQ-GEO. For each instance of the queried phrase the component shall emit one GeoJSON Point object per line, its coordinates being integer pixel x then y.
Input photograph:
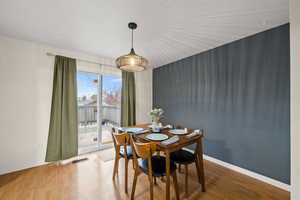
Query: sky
{"type": "Point", "coordinates": [87, 87]}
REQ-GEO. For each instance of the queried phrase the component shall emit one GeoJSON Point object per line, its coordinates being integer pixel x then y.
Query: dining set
{"type": "Point", "coordinates": [159, 152]}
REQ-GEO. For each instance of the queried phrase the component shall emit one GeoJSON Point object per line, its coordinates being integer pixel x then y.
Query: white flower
{"type": "Point", "coordinates": [156, 113]}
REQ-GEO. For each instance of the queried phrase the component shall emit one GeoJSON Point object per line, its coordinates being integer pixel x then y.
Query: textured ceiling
{"type": "Point", "coordinates": [168, 30]}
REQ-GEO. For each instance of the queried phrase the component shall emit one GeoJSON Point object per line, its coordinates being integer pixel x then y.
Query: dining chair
{"type": "Point", "coordinates": [179, 165]}
{"type": "Point", "coordinates": [122, 150]}
{"type": "Point", "coordinates": [184, 157]}
{"type": "Point", "coordinates": [151, 165]}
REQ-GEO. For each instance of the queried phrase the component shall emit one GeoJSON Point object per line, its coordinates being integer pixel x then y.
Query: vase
{"type": "Point", "coordinates": [155, 121]}
{"type": "Point", "coordinates": [155, 126]}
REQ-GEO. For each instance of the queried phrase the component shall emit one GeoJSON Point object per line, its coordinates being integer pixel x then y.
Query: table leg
{"type": "Point", "coordinates": [200, 159]}
{"type": "Point", "coordinates": [167, 175]}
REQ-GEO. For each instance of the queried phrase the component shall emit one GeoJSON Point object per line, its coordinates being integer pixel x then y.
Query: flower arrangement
{"type": "Point", "coordinates": [156, 114]}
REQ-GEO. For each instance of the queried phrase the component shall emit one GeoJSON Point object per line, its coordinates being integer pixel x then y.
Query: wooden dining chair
{"type": "Point", "coordinates": [184, 157]}
{"type": "Point", "coordinates": [179, 165]}
{"type": "Point", "coordinates": [122, 150]}
{"type": "Point", "coordinates": [153, 166]}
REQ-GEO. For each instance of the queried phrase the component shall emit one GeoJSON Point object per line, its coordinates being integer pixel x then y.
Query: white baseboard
{"type": "Point", "coordinates": [257, 176]}
{"type": "Point", "coordinates": [27, 166]}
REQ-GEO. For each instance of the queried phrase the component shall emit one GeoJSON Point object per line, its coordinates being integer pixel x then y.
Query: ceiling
{"type": "Point", "coordinates": [168, 30]}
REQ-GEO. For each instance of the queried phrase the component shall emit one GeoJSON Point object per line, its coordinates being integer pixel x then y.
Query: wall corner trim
{"type": "Point", "coordinates": [257, 176]}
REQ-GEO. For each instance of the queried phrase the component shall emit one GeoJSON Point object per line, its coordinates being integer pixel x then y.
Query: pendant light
{"type": "Point", "coordinates": [132, 62]}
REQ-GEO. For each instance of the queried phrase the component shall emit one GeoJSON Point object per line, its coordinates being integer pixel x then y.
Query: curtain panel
{"type": "Point", "coordinates": [128, 113]}
{"type": "Point", "coordinates": [63, 129]}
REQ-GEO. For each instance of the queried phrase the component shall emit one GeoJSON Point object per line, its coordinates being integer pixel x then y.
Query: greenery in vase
{"type": "Point", "coordinates": [156, 114]}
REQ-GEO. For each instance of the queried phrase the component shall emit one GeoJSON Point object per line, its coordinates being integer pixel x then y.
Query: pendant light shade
{"type": "Point", "coordinates": [132, 62]}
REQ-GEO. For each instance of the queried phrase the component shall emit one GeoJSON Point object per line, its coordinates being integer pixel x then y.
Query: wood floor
{"type": "Point", "coordinates": [92, 179]}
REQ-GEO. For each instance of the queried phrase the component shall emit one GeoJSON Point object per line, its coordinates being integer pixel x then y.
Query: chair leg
{"type": "Point", "coordinates": [133, 165]}
{"type": "Point", "coordinates": [179, 168]}
{"type": "Point", "coordinates": [154, 178]}
{"type": "Point", "coordinates": [126, 175]}
{"type": "Point", "coordinates": [134, 185]}
{"type": "Point", "coordinates": [186, 180]}
{"type": "Point", "coordinates": [151, 186]}
{"type": "Point", "coordinates": [174, 175]}
{"type": "Point", "coordinates": [116, 166]}
{"type": "Point", "coordinates": [198, 169]}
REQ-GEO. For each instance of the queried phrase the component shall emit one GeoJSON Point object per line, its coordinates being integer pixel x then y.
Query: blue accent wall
{"type": "Point", "coordinates": [240, 94]}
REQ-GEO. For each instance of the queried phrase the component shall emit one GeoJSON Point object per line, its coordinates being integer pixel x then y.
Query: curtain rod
{"type": "Point", "coordinates": [84, 60]}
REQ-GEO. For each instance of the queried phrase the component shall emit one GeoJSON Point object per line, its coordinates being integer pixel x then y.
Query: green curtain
{"type": "Point", "coordinates": [128, 99]}
{"type": "Point", "coordinates": [63, 129]}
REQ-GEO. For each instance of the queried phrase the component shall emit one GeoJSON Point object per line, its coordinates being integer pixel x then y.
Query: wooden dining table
{"type": "Point", "coordinates": [183, 142]}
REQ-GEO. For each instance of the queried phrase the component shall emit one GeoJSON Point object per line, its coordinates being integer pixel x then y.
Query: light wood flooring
{"type": "Point", "coordinates": [92, 179]}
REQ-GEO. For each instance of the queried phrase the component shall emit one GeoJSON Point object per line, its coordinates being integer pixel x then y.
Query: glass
{"type": "Point", "coordinates": [87, 98]}
{"type": "Point", "coordinates": [111, 106]}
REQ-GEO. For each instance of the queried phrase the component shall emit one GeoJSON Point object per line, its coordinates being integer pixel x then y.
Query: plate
{"type": "Point", "coordinates": [157, 137]}
{"type": "Point", "coordinates": [133, 130]}
{"type": "Point", "coordinates": [151, 126]}
{"type": "Point", "coordinates": [178, 131]}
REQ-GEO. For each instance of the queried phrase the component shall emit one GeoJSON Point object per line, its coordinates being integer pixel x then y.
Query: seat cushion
{"type": "Point", "coordinates": [129, 151]}
{"type": "Point", "coordinates": [182, 157]}
{"type": "Point", "coordinates": [158, 166]}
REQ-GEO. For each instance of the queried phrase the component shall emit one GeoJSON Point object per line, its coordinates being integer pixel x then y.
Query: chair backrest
{"type": "Point", "coordinates": [113, 131]}
{"type": "Point", "coordinates": [120, 139]}
{"type": "Point", "coordinates": [142, 150]}
{"type": "Point", "coordinates": [199, 147]}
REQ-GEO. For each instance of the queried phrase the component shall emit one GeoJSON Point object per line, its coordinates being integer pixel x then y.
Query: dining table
{"type": "Point", "coordinates": [183, 142]}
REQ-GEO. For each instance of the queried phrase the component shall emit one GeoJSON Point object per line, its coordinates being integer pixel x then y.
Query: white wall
{"type": "Point", "coordinates": [143, 82]}
{"type": "Point", "coordinates": [295, 98]}
{"type": "Point", "coordinates": [25, 89]}
{"type": "Point", "coordinates": [26, 75]}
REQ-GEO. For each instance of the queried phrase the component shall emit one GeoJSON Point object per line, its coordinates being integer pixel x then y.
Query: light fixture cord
{"type": "Point", "coordinates": [132, 38]}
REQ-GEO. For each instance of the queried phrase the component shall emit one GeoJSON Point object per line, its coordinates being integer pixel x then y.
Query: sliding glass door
{"type": "Point", "coordinates": [99, 99]}
{"type": "Point", "coordinates": [87, 97]}
{"type": "Point", "coordinates": [110, 106]}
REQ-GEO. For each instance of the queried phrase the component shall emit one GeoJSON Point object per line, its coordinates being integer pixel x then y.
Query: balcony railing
{"type": "Point", "coordinates": [87, 115]}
